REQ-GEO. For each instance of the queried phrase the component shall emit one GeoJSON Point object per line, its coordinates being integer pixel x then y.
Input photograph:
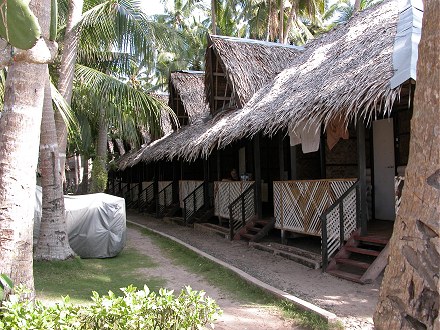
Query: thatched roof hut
{"type": "Point", "coordinates": [346, 72]}
{"type": "Point", "coordinates": [186, 96]}
{"type": "Point", "coordinates": [187, 101]}
{"type": "Point", "coordinates": [236, 68]}
{"type": "Point", "coordinates": [349, 72]}
{"type": "Point", "coordinates": [167, 120]}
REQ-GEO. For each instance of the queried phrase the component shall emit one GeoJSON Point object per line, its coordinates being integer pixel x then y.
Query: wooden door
{"type": "Point", "coordinates": [384, 169]}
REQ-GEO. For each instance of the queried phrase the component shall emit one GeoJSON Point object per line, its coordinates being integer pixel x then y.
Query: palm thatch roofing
{"type": "Point", "coordinates": [243, 65]}
{"type": "Point", "coordinates": [345, 73]}
{"type": "Point", "coordinates": [186, 95]}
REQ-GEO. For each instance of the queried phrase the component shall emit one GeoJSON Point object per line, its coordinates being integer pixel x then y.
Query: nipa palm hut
{"type": "Point", "coordinates": [329, 135]}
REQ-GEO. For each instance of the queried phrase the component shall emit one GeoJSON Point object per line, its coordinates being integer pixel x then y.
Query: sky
{"type": "Point", "coordinates": [152, 7]}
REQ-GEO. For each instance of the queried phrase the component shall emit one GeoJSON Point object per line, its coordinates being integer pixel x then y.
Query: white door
{"type": "Point", "coordinates": [384, 171]}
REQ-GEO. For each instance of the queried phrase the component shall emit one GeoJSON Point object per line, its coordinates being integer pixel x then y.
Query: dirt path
{"type": "Point", "coordinates": [353, 303]}
{"type": "Point", "coordinates": [236, 316]}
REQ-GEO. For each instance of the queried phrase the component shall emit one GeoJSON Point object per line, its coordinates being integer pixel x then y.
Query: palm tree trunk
{"type": "Point", "coordinates": [213, 17]}
{"type": "Point", "coordinates": [84, 187]}
{"type": "Point", "coordinates": [53, 243]}
{"type": "Point", "coordinates": [290, 20]}
{"type": "Point", "coordinates": [357, 6]}
{"type": "Point", "coordinates": [19, 139]}
{"type": "Point", "coordinates": [281, 37]}
{"type": "Point", "coordinates": [99, 171]}
{"type": "Point", "coordinates": [67, 68]}
{"type": "Point", "coordinates": [409, 295]}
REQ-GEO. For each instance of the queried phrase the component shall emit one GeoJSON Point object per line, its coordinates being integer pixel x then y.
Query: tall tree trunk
{"type": "Point", "coordinates": [290, 20]}
{"type": "Point", "coordinates": [67, 69]}
{"type": "Point", "coordinates": [53, 243]}
{"type": "Point", "coordinates": [213, 17]}
{"type": "Point", "coordinates": [281, 37]}
{"type": "Point", "coordinates": [99, 171]}
{"type": "Point", "coordinates": [19, 139]}
{"type": "Point", "coordinates": [357, 6]}
{"type": "Point", "coordinates": [409, 295]}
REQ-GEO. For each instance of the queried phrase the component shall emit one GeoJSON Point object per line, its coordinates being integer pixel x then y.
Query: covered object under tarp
{"type": "Point", "coordinates": [96, 224]}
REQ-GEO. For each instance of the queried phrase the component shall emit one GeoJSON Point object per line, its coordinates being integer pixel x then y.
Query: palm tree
{"type": "Point", "coordinates": [409, 294]}
{"type": "Point", "coordinates": [19, 139]}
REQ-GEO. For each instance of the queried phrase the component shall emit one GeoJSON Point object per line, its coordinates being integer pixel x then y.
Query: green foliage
{"type": "Point", "coordinates": [99, 175]}
{"type": "Point", "coordinates": [18, 25]}
{"type": "Point", "coordinates": [141, 309]}
{"type": "Point", "coordinates": [5, 283]}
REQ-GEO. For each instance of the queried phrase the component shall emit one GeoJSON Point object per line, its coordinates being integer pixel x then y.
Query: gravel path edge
{"type": "Point", "coordinates": [300, 303]}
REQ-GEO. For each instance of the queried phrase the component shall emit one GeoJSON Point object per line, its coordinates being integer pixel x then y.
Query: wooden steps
{"type": "Point", "coordinates": [255, 229]}
{"type": "Point", "coordinates": [212, 228]}
{"type": "Point", "coordinates": [361, 259]}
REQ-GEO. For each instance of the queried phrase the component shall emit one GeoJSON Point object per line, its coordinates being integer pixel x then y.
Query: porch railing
{"type": "Point", "coordinates": [146, 196]}
{"type": "Point", "coordinates": [164, 199]}
{"type": "Point", "coordinates": [339, 221]}
{"type": "Point", "coordinates": [124, 187]}
{"type": "Point", "coordinates": [131, 196]}
{"type": "Point", "coordinates": [241, 210]}
{"type": "Point", "coordinates": [299, 204]}
{"type": "Point", "coordinates": [193, 202]}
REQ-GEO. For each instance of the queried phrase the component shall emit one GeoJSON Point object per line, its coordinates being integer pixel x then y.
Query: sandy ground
{"type": "Point", "coordinates": [353, 303]}
{"type": "Point", "coordinates": [236, 316]}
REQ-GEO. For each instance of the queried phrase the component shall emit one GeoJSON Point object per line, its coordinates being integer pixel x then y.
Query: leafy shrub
{"type": "Point", "coordinates": [135, 310]}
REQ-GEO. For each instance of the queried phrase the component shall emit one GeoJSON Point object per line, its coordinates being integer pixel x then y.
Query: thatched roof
{"type": "Point", "coordinates": [166, 127]}
{"type": "Point", "coordinates": [247, 64]}
{"type": "Point", "coordinates": [187, 87]}
{"type": "Point", "coordinates": [346, 73]}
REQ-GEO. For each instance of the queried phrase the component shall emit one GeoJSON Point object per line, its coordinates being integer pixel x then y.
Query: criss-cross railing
{"type": "Point", "coordinates": [193, 203]}
{"type": "Point", "coordinates": [124, 187]}
{"type": "Point", "coordinates": [146, 196]}
{"type": "Point", "coordinates": [339, 221]}
{"type": "Point", "coordinates": [241, 210]}
{"type": "Point", "coordinates": [164, 199]}
{"type": "Point", "coordinates": [131, 196]}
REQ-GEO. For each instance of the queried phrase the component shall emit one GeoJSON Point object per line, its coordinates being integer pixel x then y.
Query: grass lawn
{"type": "Point", "coordinates": [79, 277]}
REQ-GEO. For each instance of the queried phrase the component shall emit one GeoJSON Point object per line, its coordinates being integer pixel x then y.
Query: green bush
{"type": "Point", "coordinates": [134, 310]}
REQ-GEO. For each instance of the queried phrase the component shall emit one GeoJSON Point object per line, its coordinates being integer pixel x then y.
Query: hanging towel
{"type": "Point", "coordinates": [306, 133]}
{"type": "Point", "coordinates": [336, 130]}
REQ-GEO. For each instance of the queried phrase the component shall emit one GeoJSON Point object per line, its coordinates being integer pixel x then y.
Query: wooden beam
{"type": "Point", "coordinates": [219, 169]}
{"type": "Point", "coordinates": [293, 165]}
{"type": "Point", "coordinates": [362, 173]}
{"type": "Point", "coordinates": [377, 266]}
{"type": "Point", "coordinates": [257, 166]}
{"type": "Point", "coordinates": [222, 98]}
{"type": "Point", "coordinates": [322, 154]}
{"type": "Point", "coordinates": [219, 74]}
{"type": "Point", "coordinates": [281, 155]}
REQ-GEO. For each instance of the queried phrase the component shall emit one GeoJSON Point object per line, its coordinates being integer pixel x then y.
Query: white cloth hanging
{"type": "Point", "coordinates": [308, 134]}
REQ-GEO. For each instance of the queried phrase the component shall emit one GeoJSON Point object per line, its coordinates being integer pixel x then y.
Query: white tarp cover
{"type": "Point", "coordinates": [96, 224]}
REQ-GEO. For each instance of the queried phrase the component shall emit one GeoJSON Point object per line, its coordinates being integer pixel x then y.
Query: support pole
{"type": "Point", "coordinates": [257, 166]}
{"type": "Point", "coordinates": [362, 172]}
{"type": "Point", "coordinates": [281, 156]}
{"type": "Point", "coordinates": [293, 165]}
{"type": "Point", "coordinates": [205, 182]}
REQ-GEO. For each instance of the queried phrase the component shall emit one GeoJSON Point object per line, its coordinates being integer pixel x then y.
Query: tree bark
{"type": "Point", "coordinates": [357, 6]}
{"type": "Point", "coordinates": [19, 139]}
{"type": "Point", "coordinates": [281, 37]}
{"type": "Point", "coordinates": [409, 295]}
{"type": "Point", "coordinates": [290, 20]}
{"type": "Point", "coordinates": [53, 242]}
{"type": "Point", "coordinates": [99, 171]}
{"type": "Point", "coordinates": [67, 69]}
{"type": "Point", "coordinates": [213, 18]}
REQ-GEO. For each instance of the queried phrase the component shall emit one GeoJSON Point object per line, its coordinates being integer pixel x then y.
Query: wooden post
{"type": "Point", "coordinates": [219, 169]}
{"type": "Point", "coordinates": [257, 166]}
{"type": "Point", "coordinates": [322, 154]}
{"type": "Point", "coordinates": [293, 165]}
{"type": "Point", "coordinates": [205, 182]}
{"type": "Point", "coordinates": [281, 155]}
{"type": "Point", "coordinates": [362, 172]}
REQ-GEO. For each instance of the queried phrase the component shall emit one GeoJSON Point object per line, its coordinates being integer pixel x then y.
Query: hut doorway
{"type": "Point", "coordinates": [384, 169]}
